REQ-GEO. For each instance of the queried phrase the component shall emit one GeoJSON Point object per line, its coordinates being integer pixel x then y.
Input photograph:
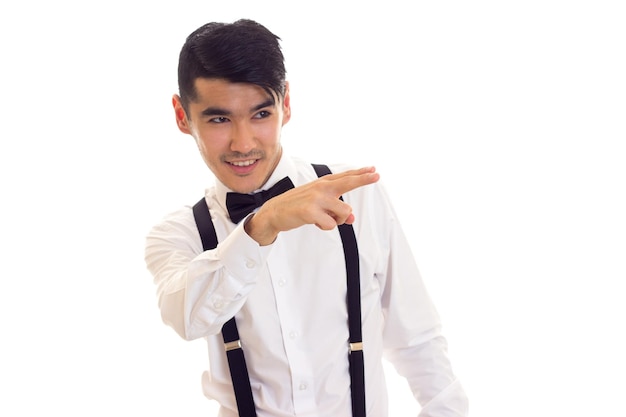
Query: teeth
{"type": "Point", "coordinates": [243, 163]}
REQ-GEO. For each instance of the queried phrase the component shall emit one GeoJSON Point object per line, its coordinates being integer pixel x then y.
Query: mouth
{"type": "Point", "coordinates": [245, 163]}
{"type": "Point", "coordinates": [244, 166]}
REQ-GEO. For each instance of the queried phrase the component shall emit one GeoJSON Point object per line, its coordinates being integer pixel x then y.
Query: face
{"type": "Point", "coordinates": [237, 129]}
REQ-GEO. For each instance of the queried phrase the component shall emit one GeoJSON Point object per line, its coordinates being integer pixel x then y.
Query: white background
{"type": "Point", "coordinates": [497, 126]}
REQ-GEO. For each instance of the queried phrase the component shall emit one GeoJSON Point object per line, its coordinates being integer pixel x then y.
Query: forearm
{"type": "Point", "coordinates": [205, 295]}
{"type": "Point", "coordinates": [429, 373]}
{"type": "Point", "coordinates": [198, 291]}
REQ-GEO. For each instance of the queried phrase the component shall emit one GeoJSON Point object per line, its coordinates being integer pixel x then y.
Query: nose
{"type": "Point", "coordinates": [242, 138]}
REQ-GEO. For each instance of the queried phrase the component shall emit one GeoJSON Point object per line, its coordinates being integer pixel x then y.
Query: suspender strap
{"type": "Point", "coordinates": [205, 225]}
{"type": "Point", "coordinates": [238, 370]}
{"type": "Point", "coordinates": [232, 344]}
{"type": "Point", "coordinates": [351, 254]}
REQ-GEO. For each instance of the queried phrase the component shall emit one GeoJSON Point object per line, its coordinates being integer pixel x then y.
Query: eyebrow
{"type": "Point", "coordinates": [218, 111]}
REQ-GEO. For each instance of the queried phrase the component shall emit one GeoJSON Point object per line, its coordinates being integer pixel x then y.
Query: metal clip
{"type": "Point", "coordinates": [356, 346]}
{"type": "Point", "coordinates": [232, 345]}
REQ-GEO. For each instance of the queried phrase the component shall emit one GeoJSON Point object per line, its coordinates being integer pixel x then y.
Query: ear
{"type": "Point", "coordinates": [181, 117]}
{"type": "Point", "coordinates": [286, 104]}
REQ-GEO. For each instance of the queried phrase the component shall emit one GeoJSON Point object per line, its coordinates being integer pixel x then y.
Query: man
{"type": "Point", "coordinates": [282, 270]}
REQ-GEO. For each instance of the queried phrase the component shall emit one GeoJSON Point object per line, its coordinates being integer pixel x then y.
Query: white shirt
{"type": "Point", "coordinates": [289, 300]}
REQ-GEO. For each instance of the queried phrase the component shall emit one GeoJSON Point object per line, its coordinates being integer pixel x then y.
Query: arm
{"type": "Point", "coordinates": [198, 291]}
{"type": "Point", "coordinates": [412, 334]}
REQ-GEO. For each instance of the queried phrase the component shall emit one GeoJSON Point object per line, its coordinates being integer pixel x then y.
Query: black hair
{"type": "Point", "coordinates": [240, 52]}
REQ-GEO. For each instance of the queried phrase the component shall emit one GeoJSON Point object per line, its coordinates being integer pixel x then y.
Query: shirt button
{"type": "Point", "coordinates": [250, 264]}
{"type": "Point", "coordinates": [293, 335]}
{"type": "Point", "coordinates": [218, 305]}
{"type": "Point", "coordinates": [303, 386]}
{"type": "Point", "coordinates": [282, 283]}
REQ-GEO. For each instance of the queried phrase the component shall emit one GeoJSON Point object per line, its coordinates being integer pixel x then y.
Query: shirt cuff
{"type": "Point", "coordinates": [451, 402]}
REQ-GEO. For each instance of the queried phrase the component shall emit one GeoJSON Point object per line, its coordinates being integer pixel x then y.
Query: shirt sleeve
{"type": "Point", "coordinates": [198, 291]}
{"type": "Point", "coordinates": [412, 336]}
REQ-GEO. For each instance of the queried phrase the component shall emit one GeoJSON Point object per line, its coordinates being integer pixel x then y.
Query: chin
{"type": "Point", "coordinates": [243, 185]}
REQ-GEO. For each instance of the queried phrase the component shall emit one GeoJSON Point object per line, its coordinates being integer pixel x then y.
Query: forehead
{"type": "Point", "coordinates": [223, 93]}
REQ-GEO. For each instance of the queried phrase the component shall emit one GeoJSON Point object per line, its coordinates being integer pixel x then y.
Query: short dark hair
{"type": "Point", "coordinates": [240, 52]}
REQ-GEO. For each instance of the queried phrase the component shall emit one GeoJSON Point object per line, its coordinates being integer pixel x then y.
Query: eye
{"type": "Point", "coordinates": [262, 114]}
{"type": "Point", "coordinates": [218, 120]}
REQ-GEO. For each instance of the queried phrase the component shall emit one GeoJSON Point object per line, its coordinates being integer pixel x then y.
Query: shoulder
{"type": "Point", "coordinates": [178, 225]}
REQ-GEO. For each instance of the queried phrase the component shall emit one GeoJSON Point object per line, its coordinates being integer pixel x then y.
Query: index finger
{"type": "Point", "coordinates": [346, 181]}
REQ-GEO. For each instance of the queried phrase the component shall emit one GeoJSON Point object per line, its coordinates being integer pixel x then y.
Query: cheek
{"type": "Point", "coordinates": [269, 133]}
{"type": "Point", "coordinates": [209, 154]}
{"type": "Point", "coordinates": [211, 141]}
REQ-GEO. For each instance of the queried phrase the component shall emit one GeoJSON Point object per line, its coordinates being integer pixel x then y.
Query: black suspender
{"type": "Point", "coordinates": [234, 353]}
{"type": "Point", "coordinates": [351, 254]}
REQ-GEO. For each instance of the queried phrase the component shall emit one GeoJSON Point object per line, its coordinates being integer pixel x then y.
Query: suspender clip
{"type": "Point", "coordinates": [232, 345]}
{"type": "Point", "coordinates": [356, 346]}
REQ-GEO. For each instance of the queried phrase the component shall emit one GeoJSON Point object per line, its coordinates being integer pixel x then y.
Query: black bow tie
{"type": "Point", "coordinates": [240, 205]}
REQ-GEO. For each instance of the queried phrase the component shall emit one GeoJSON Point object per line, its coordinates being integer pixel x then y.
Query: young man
{"type": "Point", "coordinates": [286, 271]}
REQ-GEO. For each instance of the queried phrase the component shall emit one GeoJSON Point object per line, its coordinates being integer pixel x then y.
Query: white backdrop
{"type": "Point", "coordinates": [498, 127]}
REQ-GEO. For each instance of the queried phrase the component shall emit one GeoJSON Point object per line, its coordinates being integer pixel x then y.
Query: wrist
{"type": "Point", "coordinates": [259, 230]}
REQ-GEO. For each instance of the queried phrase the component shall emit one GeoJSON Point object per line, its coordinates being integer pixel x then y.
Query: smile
{"type": "Point", "coordinates": [243, 163]}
